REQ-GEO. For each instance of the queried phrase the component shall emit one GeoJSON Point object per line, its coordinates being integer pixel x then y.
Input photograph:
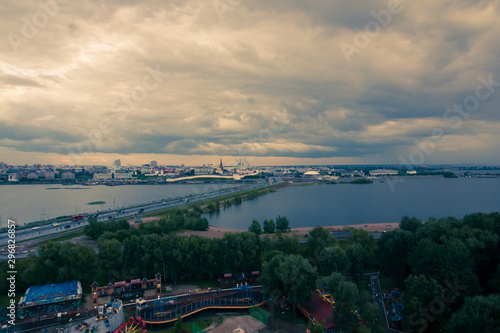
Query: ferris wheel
{"type": "Point", "coordinates": [133, 325]}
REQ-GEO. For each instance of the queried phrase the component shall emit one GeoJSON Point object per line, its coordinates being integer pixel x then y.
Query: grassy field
{"type": "Point", "coordinates": [59, 239]}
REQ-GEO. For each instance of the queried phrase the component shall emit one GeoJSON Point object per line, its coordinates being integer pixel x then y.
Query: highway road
{"type": "Point", "coordinates": [63, 227]}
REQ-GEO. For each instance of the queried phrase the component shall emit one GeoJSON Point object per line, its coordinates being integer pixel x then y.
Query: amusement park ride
{"type": "Point", "coordinates": [134, 325]}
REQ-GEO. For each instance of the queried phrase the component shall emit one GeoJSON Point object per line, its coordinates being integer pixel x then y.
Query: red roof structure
{"type": "Point", "coordinates": [317, 309]}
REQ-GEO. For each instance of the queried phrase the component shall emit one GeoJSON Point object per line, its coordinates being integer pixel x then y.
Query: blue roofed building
{"type": "Point", "coordinates": [50, 298]}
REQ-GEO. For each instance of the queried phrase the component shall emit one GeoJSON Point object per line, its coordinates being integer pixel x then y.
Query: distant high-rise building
{"type": "Point", "coordinates": [118, 163]}
{"type": "Point", "coordinates": [153, 164]}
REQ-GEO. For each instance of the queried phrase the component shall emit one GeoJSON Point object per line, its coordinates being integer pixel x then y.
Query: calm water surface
{"type": "Point", "coordinates": [304, 206]}
{"type": "Point", "coordinates": [340, 204]}
{"type": "Point", "coordinates": [27, 203]}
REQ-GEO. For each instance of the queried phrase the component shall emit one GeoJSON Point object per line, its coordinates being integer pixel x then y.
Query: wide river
{"type": "Point", "coordinates": [304, 206]}
{"type": "Point", "coordinates": [340, 204]}
{"type": "Point", "coordinates": [28, 203]}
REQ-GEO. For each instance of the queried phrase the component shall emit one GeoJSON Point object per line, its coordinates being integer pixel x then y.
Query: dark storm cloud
{"type": "Point", "coordinates": [262, 79]}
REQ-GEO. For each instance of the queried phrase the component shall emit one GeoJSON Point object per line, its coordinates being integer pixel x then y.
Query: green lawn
{"type": "Point", "coordinates": [61, 238]}
{"type": "Point", "coordinates": [204, 322]}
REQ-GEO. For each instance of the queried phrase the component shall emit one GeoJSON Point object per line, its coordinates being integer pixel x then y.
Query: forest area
{"type": "Point", "coordinates": [449, 269]}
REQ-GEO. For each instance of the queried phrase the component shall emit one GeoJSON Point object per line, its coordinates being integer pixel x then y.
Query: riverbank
{"type": "Point", "coordinates": [218, 232]}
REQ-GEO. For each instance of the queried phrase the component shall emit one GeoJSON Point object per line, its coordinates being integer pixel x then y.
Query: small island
{"type": "Point", "coordinates": [97, 203]}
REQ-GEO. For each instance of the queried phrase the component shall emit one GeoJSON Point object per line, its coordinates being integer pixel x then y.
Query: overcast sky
{"type": "Point", "coordinates": [277, 82]}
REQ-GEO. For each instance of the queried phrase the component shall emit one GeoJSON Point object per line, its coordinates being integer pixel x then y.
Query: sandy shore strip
{"type": "Point", "coordinates": [218, 232]}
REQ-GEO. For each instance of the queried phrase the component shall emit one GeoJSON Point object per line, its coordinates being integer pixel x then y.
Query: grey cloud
{"type": "Point", "coordinates": [13, 80]}
{"type": "Point", "coordinates": [226, 80]}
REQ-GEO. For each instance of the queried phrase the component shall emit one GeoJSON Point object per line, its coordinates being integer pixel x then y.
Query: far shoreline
{"type": "Point", "coordinates": [218, 232]}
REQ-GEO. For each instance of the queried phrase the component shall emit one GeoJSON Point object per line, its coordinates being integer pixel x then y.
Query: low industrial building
{"type": "Point", "coordinates": [126, 290]}
{"type": "Point", "coordinates": [383, 172]}
{"type": "Point", "coordinates": [230, 280]}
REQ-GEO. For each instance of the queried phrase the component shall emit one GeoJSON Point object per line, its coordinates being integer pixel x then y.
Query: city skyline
{"type": "Point", "coordinates": [281, 83]}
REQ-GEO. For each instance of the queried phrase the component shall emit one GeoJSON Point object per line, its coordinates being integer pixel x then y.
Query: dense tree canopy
{"type": "Point", "coordinates": [479, 314]}
{"type": "Point", "coordinates": [449, 268]}
{"type": "Point", "coordinates": [293, 275]}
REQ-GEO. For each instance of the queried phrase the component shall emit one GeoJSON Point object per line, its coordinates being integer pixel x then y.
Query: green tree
{"type": "Point", "coordinates": [240, 252]}
{"type": "Point", "coordinates": [363, 238]}
{"type": "Point", "coordinates": [346, 299]}
{"type": "Point", "coordinates": [291, 276]}
{"type": "Point", "coordinates": [114, 226]}
{"type": "Point", "coordinates": [237, 200]}
{"type": "Point", "coordinates": [393, 250]}
{"type": "Point", "coordinates": [410, 224]}
{"type": "Point", "coordinates": [298, 277]}
{"type": "Point", "coordinates": [358, 257]}
{"type": "Point", "coordinates": [132, 250]}
{"type": "Point", "coordinates": [318, 239]}
{"type": "Point", "coordinates": [94, 229]}
{"type": "Point", "coordinates": [484, 247]}
{"type": "Point", "coordinates": [447, 261]}
{"type": "Point", "coordinates": [424, 305]}
{"type": "Point", "coordinates": [333, 259]}
{"type": "Point", "coordinates": [489, 222]}
{"type": "Point", "coordinates": [437, 230]}
{"type": "Point", "coordinates": [346, 296]}
{"type": "Point", "coordinates": [269, 226]}
{"type": "Point", "coordinates": [331, 281]}
{"type": "Point", "coordinates": [318, 327]}
{"type": "Point", "coordinates": [255, 227]}
{"type": "Point", "coordinates": [479, 314]}
{"type": "Point", "coordinates": [370, 313]}
{"type": "Point", "coordinates": [110, 258]}
{"type": "Point", "coordinates": [287, 244]}
{"type": "Point", "coordinates": [494, 282]}
{"type": "Point", "coordinates": [269, 277]}
{"type": "Point", "coordinates": [282, 223]}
